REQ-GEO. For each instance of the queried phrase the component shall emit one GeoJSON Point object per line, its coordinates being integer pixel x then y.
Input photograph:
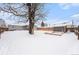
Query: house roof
{"type": "Point", "coordinates": [2, 23]}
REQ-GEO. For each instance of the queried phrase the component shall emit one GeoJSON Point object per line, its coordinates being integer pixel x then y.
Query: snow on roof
{"type": "Point", "coordinates": [57, 25]}
{"type": "Point", "coordinates": [21, 24]}
{"type": "Point", "coordinates": [2, 23]}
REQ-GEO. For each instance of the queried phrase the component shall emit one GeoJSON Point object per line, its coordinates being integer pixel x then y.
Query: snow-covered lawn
{"type": "Point", "coordinates": [20, 42]}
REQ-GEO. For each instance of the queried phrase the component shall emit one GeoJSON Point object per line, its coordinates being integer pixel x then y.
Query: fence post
{"type": "Point", "coordinates": [0, 33]}
{"type": "Point", "coordinates": [78, 32]}
{"type": "Point", "coordinates": [65, 29]}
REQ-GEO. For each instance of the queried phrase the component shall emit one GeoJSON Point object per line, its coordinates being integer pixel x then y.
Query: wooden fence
{"type": "Point", "coordinates": [76, 30]}
{"type": "Point", "coordinates": [2, 30]}
{"type": "Point", "coordinates": [45, 29]}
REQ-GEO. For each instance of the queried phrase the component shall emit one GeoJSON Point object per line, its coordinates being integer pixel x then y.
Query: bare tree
{"type": "Point", "coordinates": [31, 11]}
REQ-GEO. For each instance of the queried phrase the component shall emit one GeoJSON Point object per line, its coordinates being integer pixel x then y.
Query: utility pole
{"type": "Point", "coordinates": [72, 24]}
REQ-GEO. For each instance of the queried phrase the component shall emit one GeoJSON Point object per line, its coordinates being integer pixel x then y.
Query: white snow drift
{"type": "Point", "coordinates": [20, 42]}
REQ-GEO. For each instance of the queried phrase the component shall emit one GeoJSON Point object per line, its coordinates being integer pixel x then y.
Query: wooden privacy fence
{"type": "Point", "coordinates": [45, 29]}
{"type": "Point", "coordinates": [58, 29]}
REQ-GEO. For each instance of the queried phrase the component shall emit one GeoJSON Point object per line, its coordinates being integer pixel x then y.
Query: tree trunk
{"type": "Point", "coordinates": [31, 20]}
{"type": "Point", "coordinates": [31, 17]}
{"type": "Point", "coordinates": [31, 27]}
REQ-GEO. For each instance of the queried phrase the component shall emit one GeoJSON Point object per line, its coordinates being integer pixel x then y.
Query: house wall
{"type": "Point", "coordinates": [2, 23]}
{"type": "Point", "coordinates": [14, 27]}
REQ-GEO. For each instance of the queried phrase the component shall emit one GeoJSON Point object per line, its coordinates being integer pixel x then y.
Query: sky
{"type": "Point", "coordinates": [56, 13]}
{"type": "Point", "coordinates": [62, 12]}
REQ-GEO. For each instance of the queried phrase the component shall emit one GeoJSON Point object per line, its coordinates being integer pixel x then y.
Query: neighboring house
{"type": "Point", "coordinates": [3, 26]}
{"type": "Point", "coordinates": [52, 27]}
{"type": "Point", "coordinates": [57, 27]}
{"type": "Point", "coordinates": [2, 23]}
{"type": "Point", "coordinates": [18, 27]}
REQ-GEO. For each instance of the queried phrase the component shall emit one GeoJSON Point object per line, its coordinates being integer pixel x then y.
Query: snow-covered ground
{"type": "Point", "coordinates": [20, 42]}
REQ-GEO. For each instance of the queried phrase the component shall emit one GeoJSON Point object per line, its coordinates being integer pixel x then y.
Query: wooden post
{"type": "Point", "coordinates": [65, 29]}
{"type": "Point", "coordinates": [0, 33]}
{"type": "Point", "coordinates": [78, 32]}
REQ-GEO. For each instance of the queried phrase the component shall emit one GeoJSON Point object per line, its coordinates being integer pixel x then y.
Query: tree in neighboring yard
{"type": "Point", "coordinates": [42, 24]}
